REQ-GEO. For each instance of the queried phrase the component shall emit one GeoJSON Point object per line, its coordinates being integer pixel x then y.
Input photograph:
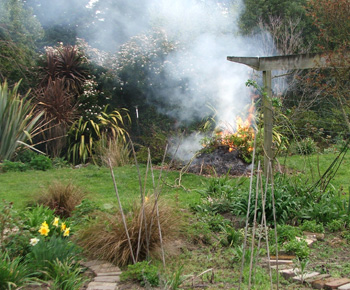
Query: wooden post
{"type": "Point", "coordinates": [268, 121]}
{"type": "Point", "coordinates": [284, 62]}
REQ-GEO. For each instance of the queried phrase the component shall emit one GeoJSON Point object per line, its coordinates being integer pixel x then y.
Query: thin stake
{"type": "Point", "coordinates": [274, 220]}
{"type": "Point", "coordinates": [157, 211]}
{"type": "Point", "coordinates": [247, 217]}
{"type": "Point", "coordinates": [143, 215]}
{"type": "Point", "coordinates": [266, 233]}
{"type": "Point", "coordinates": [254, 227]}
{"type": "Point", "coordinates": [121, 210]}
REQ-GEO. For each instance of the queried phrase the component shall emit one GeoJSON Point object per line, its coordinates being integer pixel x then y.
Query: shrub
{"type": "Point", "coordinates": [299, 247]}
{"type": "Point", "coordinates": [59, 162]}
{"type": "Point", "coordinates": [285, 233]}
{"type": "Point", "coordinates": [25, 155]}
{"type": "Point", "coordinates": [155, 141]}
{"type": "Point", "coordinates": [218, 197]}
{"type": "Point", "coordinates": [321, 207]}
{"type": "Point", "coordinates": [8, 166]}
{"type": "Point", "coordinates": [306, 146]}
{"type": "Point", "coordinates": [335, 225]}
{"type": "Point", "coordinates": [106, 238]}
{"type": "Point", "coordinates": [9, 228]}
{"type": "Point", "coordinates": [215, 221]}
{"type": "Point", "coordinates": [14, 273]}
{"type": "Point", "coordinates": [143, 272]}
{"type": "Point", "coordinates": [231, 237]}
{"type": "Point", "coordinates": [41, 162]}
{"type": "Point", "coordinates": [83, 212]}
{"type": "Point", "coordinates": [312, 226]}
{"type": "Point", "coordinates": [62, 198]}
{"type": "Point", "coordinates": [34, 216]}
{"type": "Point", "coordinates": [117, 150]}
{"type": "Point", "coordinates": [286, 204]}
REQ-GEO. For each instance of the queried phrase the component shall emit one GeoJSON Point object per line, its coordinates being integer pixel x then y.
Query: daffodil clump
{"type": "Point", "coordinates": [57, 229]}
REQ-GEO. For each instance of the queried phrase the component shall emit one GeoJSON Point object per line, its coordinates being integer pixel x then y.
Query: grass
{"type": "Point", "coordinates": [192, 259]}
{"type": "Point", "coordinates": [311, 167]}
{"type": "Point", "coordinates": [23, 187]}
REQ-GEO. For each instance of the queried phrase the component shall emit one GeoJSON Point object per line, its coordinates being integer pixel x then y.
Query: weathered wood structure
{"type": "Point", "coordinates": [267, 65]}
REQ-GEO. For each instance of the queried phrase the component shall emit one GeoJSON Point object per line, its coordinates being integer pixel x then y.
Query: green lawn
{"type": "Point", "coordinates": [22, 187]}
{"type": "Point", "coordinates": [311, 167]}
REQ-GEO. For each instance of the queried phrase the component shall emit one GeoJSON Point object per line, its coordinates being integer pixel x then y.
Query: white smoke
{"type": "Point", "coordinates": [208, 32]}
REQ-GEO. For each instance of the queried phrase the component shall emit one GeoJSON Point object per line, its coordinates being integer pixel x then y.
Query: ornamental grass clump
{"type": "Point", "coordinates": [62, 198]}
{"type": "Point", "coordinates": [106, 238]}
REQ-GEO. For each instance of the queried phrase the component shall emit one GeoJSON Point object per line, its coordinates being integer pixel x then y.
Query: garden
{"type": "Point", "coordinates": [136, 143]}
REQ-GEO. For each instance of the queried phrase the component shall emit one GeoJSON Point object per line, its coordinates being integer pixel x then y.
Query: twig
{"type": "Point", "coordinates": [121, 210]}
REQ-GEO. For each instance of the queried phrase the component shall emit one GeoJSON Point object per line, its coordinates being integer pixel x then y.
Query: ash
{"type": "Point", "coordinates": [220, 162]}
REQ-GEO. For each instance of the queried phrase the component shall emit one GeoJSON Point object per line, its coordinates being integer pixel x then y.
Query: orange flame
{"type": "Point", "coordinates": [242, 134]}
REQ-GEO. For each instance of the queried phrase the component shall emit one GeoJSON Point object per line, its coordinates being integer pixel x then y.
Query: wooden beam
{"type": "Point", "coordinates": [284, 62]}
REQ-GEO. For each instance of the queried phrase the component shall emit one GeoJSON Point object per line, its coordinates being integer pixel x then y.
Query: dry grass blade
{"type": "Point", "coordinates": [106, 237]}
{"type": "Point", "coordinates": [122, 213]}
{"type": "Point", "coordinates": [62, 198]}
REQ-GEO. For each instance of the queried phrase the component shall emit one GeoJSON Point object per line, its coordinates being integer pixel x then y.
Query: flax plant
{"type": "Point", "coordinates": [17, 120]}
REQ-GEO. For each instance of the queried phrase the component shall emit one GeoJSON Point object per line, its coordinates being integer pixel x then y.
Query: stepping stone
{"type": "Point", "coordinates": [101, 286]}
{"type": "Point", "coordinates": [284, 257]}
{"type": "Point", "coordinates": [301, 278]}
{"type": "Point", "coordinates": [344, 287]}
{"type": "Point", "coordinates": [288, 273]}
{"type": "Point", "coordinates": [319, 284]}
{"type": "Point", "coordinates": [308, 241]}
{"type": "Point", "coordinates": [107, 267]}
{"type": "Point", "coordinates": [109, 273]}
{"type": "Point", "coordinates": [317, 236]}
{"type": "Point", "coordinates": [281, 267]}
{"type": "Point", "coordinates": [315, 278]}
{"type": "Point", "coordinates": [337, 283]}
{"type": "Point", "coordinates": [280, 262]}
{"type": "Point", "coordinates": [108, 279]}
{"type": "Point", "coordinates": [91, 263]}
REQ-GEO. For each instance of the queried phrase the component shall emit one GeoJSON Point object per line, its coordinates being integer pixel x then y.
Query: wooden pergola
{"type": "Point", "coordinates": [267, 65]}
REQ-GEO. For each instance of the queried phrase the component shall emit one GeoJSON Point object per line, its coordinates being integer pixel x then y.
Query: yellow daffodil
{"type": "Point", "coordinates": [45, 225]}
{"type": "Point", "coordinates": [34, 241]}
{"type": "Point", "coordinates": [44, 231]}
{"type": "Point", "coordinates": [63, 227]}
{"type": "Point", "coordinates": [66, 232]}
{"type": "Point", "coordinates": [55, 222]}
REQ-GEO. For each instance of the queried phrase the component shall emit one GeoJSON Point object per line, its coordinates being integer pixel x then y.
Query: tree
{"type": "Point", "coordinates": [62, 20]}
{"type": "Point", "coordinates": [332, 19]}
{"type": "Point", "coordinates": [19, 33]}
{"type": "Point", "coordinates": [263, 11]}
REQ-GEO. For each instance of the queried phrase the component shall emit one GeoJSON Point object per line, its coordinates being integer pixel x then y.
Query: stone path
{"type": "Point", "coordinates": [313, 279]}
{"type": "Point", "coordinates": [106, 277]}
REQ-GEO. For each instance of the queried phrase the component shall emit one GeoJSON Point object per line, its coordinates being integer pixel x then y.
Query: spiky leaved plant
{"type": "Point", "coordinates": [17, 120]}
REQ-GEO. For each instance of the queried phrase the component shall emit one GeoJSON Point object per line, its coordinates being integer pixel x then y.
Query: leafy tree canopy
{"type": "Point", "coordinates": [19, 33]}
{"type": "Point", "coordinates": [263, 10]}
